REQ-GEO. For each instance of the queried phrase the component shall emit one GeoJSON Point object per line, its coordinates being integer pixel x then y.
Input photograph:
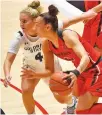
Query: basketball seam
{"type": "Point", "coordinates": [60, 90]}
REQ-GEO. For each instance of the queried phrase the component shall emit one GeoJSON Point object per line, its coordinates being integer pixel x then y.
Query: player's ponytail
{"type": "Point", "coordinates": [34, 4]}
{"type": "Point", "coordinates": [34, 9]}
{"type": "Point", "coordinates": [53, 10]}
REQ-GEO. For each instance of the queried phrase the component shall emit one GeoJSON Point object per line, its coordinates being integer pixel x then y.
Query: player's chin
{"type": "Point", "coordinates": [24, 30]}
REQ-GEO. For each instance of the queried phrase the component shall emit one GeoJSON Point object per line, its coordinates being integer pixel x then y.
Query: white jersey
{"type": "Point", "coordinates": [33, 55]}
{"type": "Point", "coordinates": [32, 52]}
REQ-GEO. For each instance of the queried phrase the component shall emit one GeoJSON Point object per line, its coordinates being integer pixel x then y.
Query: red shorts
{"type": "Point", "coordinates": [91, 81]}
{"type": "Point", "coordinates": [91, 30]}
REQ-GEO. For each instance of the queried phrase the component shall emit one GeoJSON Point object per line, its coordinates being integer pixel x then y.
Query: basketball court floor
{"type": "Point", "coordinates": [11, 99]}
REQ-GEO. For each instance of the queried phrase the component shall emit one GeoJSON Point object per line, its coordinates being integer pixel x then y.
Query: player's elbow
{"type": "Point", "coordinates": [49, 72]}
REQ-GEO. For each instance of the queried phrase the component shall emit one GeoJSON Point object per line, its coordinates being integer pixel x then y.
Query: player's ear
{"type": "Point", "coordinates": [48, 27]}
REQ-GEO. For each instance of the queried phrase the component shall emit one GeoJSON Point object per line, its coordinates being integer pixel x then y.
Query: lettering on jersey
{"type": "Point", "coordinates": [35, 48]}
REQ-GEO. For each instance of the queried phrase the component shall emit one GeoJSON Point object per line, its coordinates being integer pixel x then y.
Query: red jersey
{"type": "Point", "coordinates": [93, 28]}
{"type": "Point", "coordinates": [68, 54]}
{"type": "Point", "coordinates": [90, 4]}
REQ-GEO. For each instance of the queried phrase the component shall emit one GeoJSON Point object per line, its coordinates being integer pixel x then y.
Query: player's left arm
{"type": "Point", "coordinates": [72, 41]}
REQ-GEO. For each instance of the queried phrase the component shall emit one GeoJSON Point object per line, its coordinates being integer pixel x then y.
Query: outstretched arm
{"type": "Point", "coordinates": [97, 8]}
{"type": "Point", "coordinates": [86, 15]}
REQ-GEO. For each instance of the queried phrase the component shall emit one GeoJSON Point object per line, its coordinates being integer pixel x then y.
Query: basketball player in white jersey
{"type": "Point", "coordinates": [33, 57]}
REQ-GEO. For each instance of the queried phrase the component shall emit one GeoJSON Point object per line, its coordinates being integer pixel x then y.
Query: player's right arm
{"type": "Point", "coordinates": [48, 57]}
{"type": "Point", "coordinates": [11, 54]}
{"type": "Point", "coordinates": [49, 65]}
{"type": "Point", "coordinates": [7, 67]}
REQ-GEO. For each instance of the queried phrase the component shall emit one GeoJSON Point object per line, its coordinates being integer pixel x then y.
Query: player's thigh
{"type": "Point", "coordinates": [86, 101]}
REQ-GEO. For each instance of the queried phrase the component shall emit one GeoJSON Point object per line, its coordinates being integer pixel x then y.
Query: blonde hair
{"type": "Point", "coordinates": [33, 9]}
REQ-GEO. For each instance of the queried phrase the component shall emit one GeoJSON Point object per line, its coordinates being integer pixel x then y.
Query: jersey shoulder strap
{"type": "Point", "coordinates": [21, 34]}
{"type": "Point", "coordinates": [59, 32]}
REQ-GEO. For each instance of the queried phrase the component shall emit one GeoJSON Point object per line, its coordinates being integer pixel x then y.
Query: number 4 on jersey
{"type": "Point", "coordinates": [39, 57]}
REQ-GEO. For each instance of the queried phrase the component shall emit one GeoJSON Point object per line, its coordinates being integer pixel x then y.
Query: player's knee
{"type": "Point", "coordinates": [27, 87]}
{"type": "Point", "coordinates": [27, 90]}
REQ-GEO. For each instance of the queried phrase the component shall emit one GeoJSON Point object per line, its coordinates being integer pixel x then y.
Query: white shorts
{"type": "Point", "coordinates": [37, 66]}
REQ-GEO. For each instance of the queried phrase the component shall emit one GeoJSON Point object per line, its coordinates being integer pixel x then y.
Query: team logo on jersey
{"type": "Point", "coordinates": [35, 48]}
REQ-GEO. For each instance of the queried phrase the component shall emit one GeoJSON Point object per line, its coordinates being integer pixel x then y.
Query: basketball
{"type": "Point", "coordinates": [57, 86]}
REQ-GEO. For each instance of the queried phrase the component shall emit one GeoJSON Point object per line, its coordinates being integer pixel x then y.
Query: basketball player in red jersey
{"type": "Point", "coordinates": [91, 4]}
{"type": "Point", "coordinates": [84, 16]}
{"type": "Point", "coordinates": [68, 45]}
{"type": "Point", "coordinates": [93, 23]}
{"type": "Point", "coordinates": [93, 28]}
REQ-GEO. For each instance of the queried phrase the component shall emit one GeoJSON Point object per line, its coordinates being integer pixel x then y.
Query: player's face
{"type": "Point", "coordinates": [42, 28]}
{"type": "Point", "coordinates": [26, 22]}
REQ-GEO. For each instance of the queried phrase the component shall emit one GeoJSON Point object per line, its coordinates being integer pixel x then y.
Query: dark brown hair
{"type": "Point", "coordinates": [51, 17]}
